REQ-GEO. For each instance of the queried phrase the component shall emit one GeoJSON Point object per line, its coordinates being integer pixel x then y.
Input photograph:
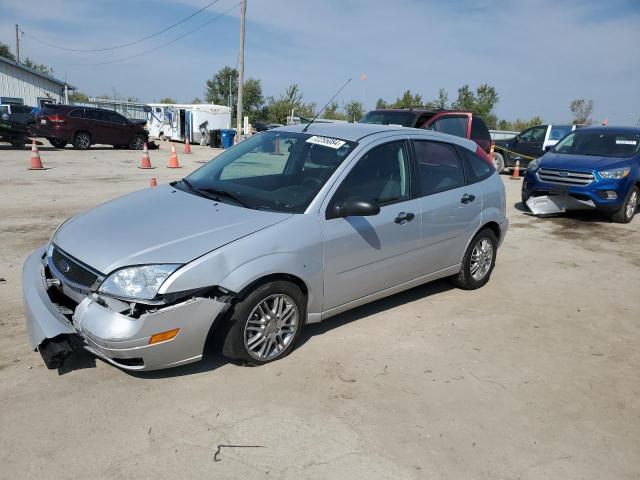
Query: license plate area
{"type": "Point", "coordinates": [43, 121]}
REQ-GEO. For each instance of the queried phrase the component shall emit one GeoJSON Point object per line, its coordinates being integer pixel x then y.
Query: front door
{"type": "Point", "coordinates": [364, 255]}
{"type": "Point", "coordinates": [451, 207]}
{"type": "Point", "coordinates": [529, 144]}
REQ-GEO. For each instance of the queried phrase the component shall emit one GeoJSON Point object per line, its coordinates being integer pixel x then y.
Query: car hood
{"type": "Point", "coordinates": [157, 225]}
{"type": "Point", "coordinates": [579, 162]}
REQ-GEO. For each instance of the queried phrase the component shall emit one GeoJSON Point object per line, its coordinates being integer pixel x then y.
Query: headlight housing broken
{"type": "Point", "coordinates": [137, 283]}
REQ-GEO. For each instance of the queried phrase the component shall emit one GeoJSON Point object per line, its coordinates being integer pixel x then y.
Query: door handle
{"type": "Point", "coordinates": [466, 198]}
{"type": "Point", "coordinates": [403, 218]}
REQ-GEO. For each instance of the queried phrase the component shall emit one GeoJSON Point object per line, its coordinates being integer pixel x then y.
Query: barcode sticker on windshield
{"type": "Point", "coordinates": [326, 142]}
{"type": "Point", "coordinates": [626, 142]}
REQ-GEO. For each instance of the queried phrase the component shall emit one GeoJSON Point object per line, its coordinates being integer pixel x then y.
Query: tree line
{"type": "Point", "coordinates": [222, 89]}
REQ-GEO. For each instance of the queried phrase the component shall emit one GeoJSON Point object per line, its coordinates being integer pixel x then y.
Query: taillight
{"type": "Point", "coordinates": [59, 119]}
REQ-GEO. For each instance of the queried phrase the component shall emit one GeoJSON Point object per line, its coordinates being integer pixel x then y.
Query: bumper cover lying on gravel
{"type": "Point", "coordinates": [119, 339]}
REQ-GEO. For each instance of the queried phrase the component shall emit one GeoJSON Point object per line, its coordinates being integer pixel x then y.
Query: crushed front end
{"type": "Point", "coordinates": [64, 309]}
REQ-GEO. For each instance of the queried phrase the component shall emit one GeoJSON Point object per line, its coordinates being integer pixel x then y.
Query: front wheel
{"type": "Point", "coordinates": [628, 210]}
{"type": "Point", "coordinates": [137, 143]}
{"type": "Point", "coordinates": [266, 324]}
{"type": "Point", "coordinates": [478, 261]}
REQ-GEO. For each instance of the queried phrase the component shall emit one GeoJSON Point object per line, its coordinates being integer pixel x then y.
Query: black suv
{"type": "Point", "coordinates": [86, 126]}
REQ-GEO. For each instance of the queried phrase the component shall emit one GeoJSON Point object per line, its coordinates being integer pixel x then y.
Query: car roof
{"type": "Point", "coordinates": [421, 110]}
{"type": "Point", "coordinates": [355, 132]}
{"type": "Point", "coordinates": [610, 129]}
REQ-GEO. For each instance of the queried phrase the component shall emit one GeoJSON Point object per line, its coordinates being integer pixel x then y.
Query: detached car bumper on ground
{"type": "Point", "coordinates": [286, 228]}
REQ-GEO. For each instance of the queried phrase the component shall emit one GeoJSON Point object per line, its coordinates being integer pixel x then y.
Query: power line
{"type": "Point", "coordinates": [159, 46]}
{"type": "Point", "coordinates": [124, 44]}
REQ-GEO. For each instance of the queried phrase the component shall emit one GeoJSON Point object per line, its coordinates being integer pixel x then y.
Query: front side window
{"type": "Point", "coordinates": [534, 134]}
{"type": "Point", "coordinates": [452, 125]}
{"type": "Point", "coordinates": [382, 174]}
{"type": "Point", "coordinates": [276, 171]}
{"type": "Point", "coordinates": [599, 144]}
{"type": "Point", "coordinates": [439, 167]}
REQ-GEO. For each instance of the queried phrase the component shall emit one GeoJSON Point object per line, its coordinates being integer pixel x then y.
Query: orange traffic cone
{"type": "Point", "coordinates": [153, 182]}
{"type": "Point", "coordinates": [187, 146]}
{"type": "Point", "coordinates": [36, 163]}
{"type": "Point", "coordinates": [516, 171]}
{"type": "Point", "coordinates": [173, 159]}
{"type": "Point", "coordinates": [145, 163]}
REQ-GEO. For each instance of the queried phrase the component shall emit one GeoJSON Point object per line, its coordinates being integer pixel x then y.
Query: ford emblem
{"type": "Point", "coordinates": [63, 266]}
{"type": "Point", "coordinates": [564, 174]}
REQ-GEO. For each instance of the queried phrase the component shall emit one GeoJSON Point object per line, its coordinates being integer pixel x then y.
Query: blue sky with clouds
{"type": "Point", "coordinates": [539, 54]}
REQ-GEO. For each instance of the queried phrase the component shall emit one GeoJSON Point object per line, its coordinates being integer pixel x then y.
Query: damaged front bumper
{"type": "Point", "coordinates": [116, 337]}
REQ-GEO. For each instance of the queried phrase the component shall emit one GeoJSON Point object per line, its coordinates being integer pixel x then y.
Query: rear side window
{"type": "Point", "coordinates": [95, 114]}
{"type": "Point", "coordinates": [77, 113]}
{"type": "Point", "coordinates": [381, 175]}
{"type": "Point", "coordinates": [439, 167]}
{"type": "Point", "coordinates": [479, 129]}
{"type": "Point", "coordinates": [477, 169]}
{"type": "Point", "coordinates": [452, 125]}
{"type": "Point", "coordinates": [559, 132]}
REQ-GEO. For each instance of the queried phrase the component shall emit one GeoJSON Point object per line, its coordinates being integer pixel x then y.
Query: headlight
{"type": "Point", "coordinates": [533, 166]}
{"type": "Point", "coordinates": [141, 282]}
{"type": "Point", "coordinates": [615, 174]}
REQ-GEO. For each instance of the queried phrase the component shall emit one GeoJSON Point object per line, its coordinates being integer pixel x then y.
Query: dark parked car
{"type": "Point", "coordinates": [529, 144]}
{"type": "Point", "coordinates": [461, 124]}
{"type": "Point", "coordinates": [14, 121]}
{"type": "Point", "coordinates": [85, 126]}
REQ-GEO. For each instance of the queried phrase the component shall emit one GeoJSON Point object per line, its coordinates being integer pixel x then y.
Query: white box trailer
{"type": "Point", "coordinates": [180, 121]}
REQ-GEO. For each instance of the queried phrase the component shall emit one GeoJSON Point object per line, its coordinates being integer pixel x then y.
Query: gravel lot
{"type": "Point", "coordinates": [535, 376]}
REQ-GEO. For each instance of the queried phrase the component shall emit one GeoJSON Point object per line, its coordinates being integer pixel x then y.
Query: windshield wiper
{"type": "Point", "coordinates": [217, 192]}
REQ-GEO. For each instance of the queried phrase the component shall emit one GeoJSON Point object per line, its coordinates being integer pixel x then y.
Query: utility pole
{"type": "Point", "coordinates": [17, 44]}
{"type": "Point", "coordinates": [243, 14]}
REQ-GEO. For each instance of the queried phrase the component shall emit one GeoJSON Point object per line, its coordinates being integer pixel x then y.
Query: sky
{"type": "Point", "coordinates": [538, 54]}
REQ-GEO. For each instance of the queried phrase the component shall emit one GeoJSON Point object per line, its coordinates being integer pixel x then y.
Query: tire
{"type": "Point", "coordinates": [524, 198]}
{"type": "Point", "coordinates": [628, 210]}
{"type": "Point", "coordinates": [137, 143]}
{"type": "Point", "coordinates": [467, 280]}
{"type": "Point", "coordinates": [82, 141]}
{"type": "Point", "coordinates": [498, 162]}
{"type": "Point", "coordinates": [247, 328]}
{"type": "Point", "coordinates": [57, 143]}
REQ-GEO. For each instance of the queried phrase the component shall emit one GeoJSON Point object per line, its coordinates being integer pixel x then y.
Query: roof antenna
{"type": "Point", "coordinates": [328, 103]}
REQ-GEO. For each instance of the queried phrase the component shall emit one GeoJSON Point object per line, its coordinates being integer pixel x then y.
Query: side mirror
{"type": "Point", "coordinates": [354, 207]}
{"type": "Point", "coordinates": [548, 148]}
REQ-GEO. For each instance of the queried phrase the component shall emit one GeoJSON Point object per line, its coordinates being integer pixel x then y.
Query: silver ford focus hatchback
{"type": "Point", "coordinates": [289, 227]}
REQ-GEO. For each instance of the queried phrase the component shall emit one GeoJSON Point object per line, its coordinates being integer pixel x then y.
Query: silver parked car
{"type": "Point", "coordinates": [291, 226]}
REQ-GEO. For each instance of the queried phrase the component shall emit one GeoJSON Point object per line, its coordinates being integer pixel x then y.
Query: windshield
{"type": "Point", "coordinates": [406, 119]}
{"type": "Point", "coordinates": [600, 144]}
{"type": "Point", "coordinates": [277, 171]}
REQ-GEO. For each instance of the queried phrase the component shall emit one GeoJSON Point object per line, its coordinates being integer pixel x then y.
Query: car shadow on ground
{"type": "Point", "coordinates": [212, 358]}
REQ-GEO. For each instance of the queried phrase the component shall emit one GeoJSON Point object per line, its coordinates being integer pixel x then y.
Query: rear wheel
{"type": "Point", "coordinates": [628, 210]}
{"type": "Point", "coordinates": [478, 261]}
{"type": "Point", "coordinates": [82, 140]}
{"type": "Point", "coordinates": [57, 143]}
{"type": "Point", "coordinates": [266, 324]}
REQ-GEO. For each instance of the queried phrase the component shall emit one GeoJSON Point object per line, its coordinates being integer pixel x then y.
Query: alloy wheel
{"type": "Point", "coordinates": [481, 259]}
{"type": "Point", "coordinates": [632, 204]}
{"type": "Point", "coordinates": [271, 327]}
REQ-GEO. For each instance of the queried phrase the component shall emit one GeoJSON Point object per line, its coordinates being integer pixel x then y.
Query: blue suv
{"type": "Point", "coordinates": [595, 168]}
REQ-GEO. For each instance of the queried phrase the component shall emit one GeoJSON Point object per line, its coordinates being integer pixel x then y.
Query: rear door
{"type": "Point", "coordinates": [451, 206]}
{"type": "Point", "coordinates": [457, 124]}
{"type": "Point", "coordinates": [365, 255]}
